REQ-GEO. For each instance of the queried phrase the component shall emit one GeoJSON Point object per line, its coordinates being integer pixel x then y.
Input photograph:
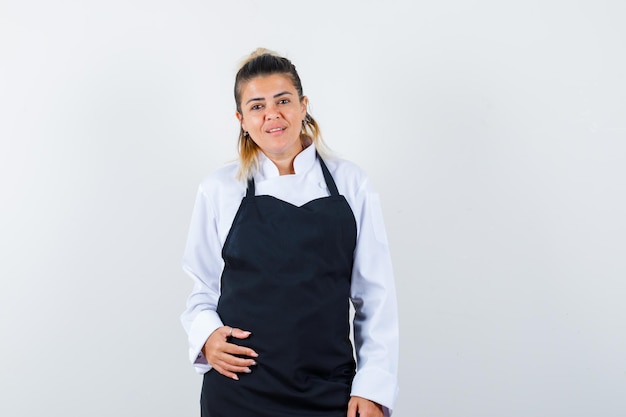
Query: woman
{"type": "Point", "coordinates": [279, 242]}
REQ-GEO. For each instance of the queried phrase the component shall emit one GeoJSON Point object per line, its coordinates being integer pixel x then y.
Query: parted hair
{"type": "Point", "coordinates": [260, 63]}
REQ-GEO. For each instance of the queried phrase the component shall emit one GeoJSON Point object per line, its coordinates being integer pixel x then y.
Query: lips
{"type": "Point", "coordinates": [275, 129]}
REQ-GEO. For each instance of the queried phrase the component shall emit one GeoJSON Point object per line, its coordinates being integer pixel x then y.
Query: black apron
{"type": "Point", "coordinates": [286, 278]}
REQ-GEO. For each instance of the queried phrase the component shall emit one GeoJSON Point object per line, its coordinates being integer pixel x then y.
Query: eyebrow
{"type": "Point", "coordinates": [275, 96]}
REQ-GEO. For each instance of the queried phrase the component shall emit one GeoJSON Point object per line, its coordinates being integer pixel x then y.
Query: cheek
{"type": "Point", "coordinates": [249, 122]}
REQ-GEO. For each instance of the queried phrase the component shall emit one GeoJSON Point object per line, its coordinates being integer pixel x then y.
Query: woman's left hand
{"type": "Point", "coordinates": [361, 407]}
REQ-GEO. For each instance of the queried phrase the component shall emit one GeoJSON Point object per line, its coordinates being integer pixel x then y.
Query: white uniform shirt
{"type": "Point", "coordinates": [372, 287]}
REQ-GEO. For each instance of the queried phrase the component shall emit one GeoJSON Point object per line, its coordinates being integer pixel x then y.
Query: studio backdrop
{"type": "Point", "coordinates": [495, 133]}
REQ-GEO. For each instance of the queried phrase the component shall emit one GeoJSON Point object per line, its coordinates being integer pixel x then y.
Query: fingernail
{"type": "Point", "coordinates": [235, 377]}
{"type": "Point", "coordinates": [254, 355]}
{"type": "Point", "coordinates": [253, 363]}
{"type": "Point", "coordinates": [247, 370]}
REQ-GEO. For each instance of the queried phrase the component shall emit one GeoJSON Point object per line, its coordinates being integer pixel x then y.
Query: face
{"type": "Point", "coordinates": [272, 114]}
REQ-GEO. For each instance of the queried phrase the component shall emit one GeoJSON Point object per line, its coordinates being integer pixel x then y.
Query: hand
{"type": "Point", "coordinates": [361, 407]}
{"type": "Point", "coordinates": [221, 355]}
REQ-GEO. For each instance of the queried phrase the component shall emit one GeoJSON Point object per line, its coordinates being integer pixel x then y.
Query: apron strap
{"type": "Point", "coordinates": [250, 191]}
{"type": "Point", "coordinates": [330, 183]}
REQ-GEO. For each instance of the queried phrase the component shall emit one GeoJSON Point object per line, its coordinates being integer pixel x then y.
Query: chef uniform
{"type": "Point", "coordinates": [288, 274]}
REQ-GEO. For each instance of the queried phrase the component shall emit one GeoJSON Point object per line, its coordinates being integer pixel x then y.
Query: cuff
{"type": "Point", "coordinates": [376, 385]}
{"type": "Point", "coordinates": [203, 325]}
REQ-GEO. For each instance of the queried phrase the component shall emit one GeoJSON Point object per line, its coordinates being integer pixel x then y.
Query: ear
{"type": "Point", "coordinates": [240, 118]}
{"type": "Point", "coordinates": [305, 103]}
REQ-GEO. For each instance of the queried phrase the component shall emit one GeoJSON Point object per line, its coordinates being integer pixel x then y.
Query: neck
{"type": "Point", "coordinates": [285, 166]}
{"type": "Point", "coordinates": [284, 162]}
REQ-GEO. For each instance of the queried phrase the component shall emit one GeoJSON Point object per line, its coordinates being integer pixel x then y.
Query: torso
{"type": "Point", "coordinates": [286, 278]}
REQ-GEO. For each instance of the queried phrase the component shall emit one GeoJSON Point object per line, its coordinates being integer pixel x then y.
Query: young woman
{"type": "Point", "coordinates": [280, 242]}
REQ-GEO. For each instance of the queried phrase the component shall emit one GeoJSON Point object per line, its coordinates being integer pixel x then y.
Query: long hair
{"type": "Point", "coordinates": [263, 62]}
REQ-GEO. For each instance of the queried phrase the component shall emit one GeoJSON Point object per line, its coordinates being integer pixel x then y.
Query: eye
{"type": "Point", "coordinates": [256, 107]}
{"type": "Point", "coordinates": [283, 101]}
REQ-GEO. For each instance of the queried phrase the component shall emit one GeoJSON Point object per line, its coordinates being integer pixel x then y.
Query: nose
{"type": "Point", "coordinates": [271, 112]}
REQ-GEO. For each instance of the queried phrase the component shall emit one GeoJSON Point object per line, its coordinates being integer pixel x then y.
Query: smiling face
{"type": "Point", "coordinates": [272, 114]}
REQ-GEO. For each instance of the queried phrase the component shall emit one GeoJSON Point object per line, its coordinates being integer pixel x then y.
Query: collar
{"type": "Point", "coordinates": [301, 164]}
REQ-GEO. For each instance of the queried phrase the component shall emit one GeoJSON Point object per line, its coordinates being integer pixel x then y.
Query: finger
{"type": "Point", "coordinates": [225, 372]}
{"type": "Point", "coordinates": [235, 368]}
{"type": "Point", "coordinates": [352, 408]}
{"type": "Point", "coordinates": [226, 359]}
{"type": "Point", "coordinates": [236, 361]}
{"type": "Point", "coordinates": [239, 334]}
{"type": "Point", "coordinates": [233, 349]}
{"type": "Point", "coordinates": [226, 331]}
{"type": "Point", "coordinates": [362, 407]}
{"type": "Point", "coordinates": [235, 364]}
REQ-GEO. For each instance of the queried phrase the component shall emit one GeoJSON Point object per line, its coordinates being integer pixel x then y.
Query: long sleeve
{"type": "Point", "coordinates": [202, 261]}
{"type": "Point", "coordinates": [374, 298]}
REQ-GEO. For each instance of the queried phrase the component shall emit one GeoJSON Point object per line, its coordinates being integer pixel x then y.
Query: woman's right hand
{"type": "Point", "coordinates": [221, 355]}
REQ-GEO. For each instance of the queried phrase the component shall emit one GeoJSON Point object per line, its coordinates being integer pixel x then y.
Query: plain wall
{"type": "Point", "coordinates": [494, 131]}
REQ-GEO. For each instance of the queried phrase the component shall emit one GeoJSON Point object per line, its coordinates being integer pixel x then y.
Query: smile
{"type": "Point", "coordinates": [276, 129]}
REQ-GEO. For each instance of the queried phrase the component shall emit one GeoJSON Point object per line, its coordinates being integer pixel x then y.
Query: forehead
{"type": "Point", "coordinates": [267, 86]}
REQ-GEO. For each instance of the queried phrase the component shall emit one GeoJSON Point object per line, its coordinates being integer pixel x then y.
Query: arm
{"type": "Point", "coordinates": [374, 299]}
{"type": "Point", "coordinates": [201, 261]}
{"type": "Point", "coordinates": [208, 337]}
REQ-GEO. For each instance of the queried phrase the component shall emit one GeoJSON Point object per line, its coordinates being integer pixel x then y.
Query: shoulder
{"type": "Point", "coordinates": [347, 174]}
{"type": "Point", "coordinates": [222, 180]}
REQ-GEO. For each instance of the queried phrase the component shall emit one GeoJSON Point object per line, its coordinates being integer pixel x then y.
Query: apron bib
{"type": "Point", "coordinates": [286, 278]}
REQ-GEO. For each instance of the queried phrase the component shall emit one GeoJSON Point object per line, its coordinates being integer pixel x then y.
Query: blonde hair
{"type": "Point", "coordinates": [263, 62]}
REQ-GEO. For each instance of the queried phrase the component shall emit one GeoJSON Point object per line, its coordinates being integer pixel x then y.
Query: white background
{"type": "Point", "coordinates": [495, 132]}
